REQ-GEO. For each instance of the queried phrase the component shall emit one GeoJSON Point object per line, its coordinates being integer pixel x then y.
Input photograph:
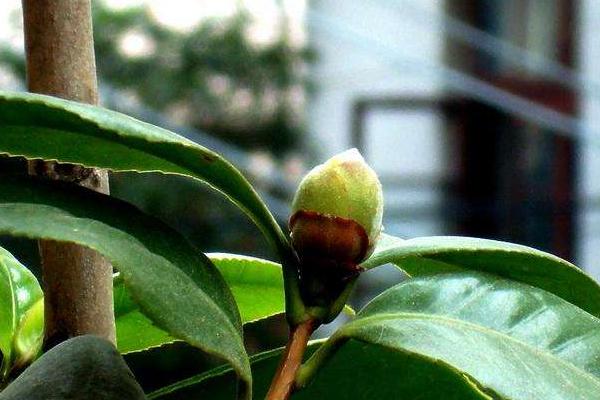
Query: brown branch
{"type": "Point", "coordinates": [283, 381]}
{"type": "Point", "coordinates": [60, 62]}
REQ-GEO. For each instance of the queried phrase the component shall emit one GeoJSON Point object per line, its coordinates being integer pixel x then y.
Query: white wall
{"type": "Point", "coordinates": [589, 162]}
{"type": "Point", "coordinates": [369, 49]}
{"type": "Point", "coordinates": [350, 67]}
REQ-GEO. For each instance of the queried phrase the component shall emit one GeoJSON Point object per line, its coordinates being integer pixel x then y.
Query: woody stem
{"type": "Point", "coordinates": [283, 383]}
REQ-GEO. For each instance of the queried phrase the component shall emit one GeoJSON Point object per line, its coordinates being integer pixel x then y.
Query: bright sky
{"type": "Point", "coordinates": [183, 14]}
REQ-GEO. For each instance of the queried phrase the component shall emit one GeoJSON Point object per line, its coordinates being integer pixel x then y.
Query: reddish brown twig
{"type": "Point", "coordinates": [283, 382]}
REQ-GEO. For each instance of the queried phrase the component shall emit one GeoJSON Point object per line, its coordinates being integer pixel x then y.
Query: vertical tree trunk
{"type": "Point", "coordinates": [60, 62]}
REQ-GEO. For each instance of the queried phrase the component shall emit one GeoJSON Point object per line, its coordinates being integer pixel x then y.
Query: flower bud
{"type": "Point", "coordinates": [335, 223]}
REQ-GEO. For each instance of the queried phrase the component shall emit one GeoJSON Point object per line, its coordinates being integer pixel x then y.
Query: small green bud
{"type": "Point", "coordinates": [335, 223]}
{"type": "Point", "coordinates": [345, 189]}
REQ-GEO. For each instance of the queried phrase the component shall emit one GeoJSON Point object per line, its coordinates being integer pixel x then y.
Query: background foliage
{"type": "Point", "coordinates": [212, 77]}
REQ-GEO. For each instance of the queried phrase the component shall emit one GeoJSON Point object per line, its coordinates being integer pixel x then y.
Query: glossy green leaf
{"type": "Point", "coordinates": [257, 284]}
{"type": "Point", "coordinates": [37, 126]}
{"type": "Point", "coordinates": [455, 336]}
{"type": "Point", "coordinates": [512, 340]}
{"type": "Point", "coordinates": [29, 336]}
{"type": "Point", "coordinates": [19, 293]}
{"type": "Point", "coordinates": [358, 371]}
{"type": "Point", "coordinates": [257, 287]}
{"type": "Point", "coordinates": [174, 284]}
{"type": "Point", "coordinates": [433, 255]}
{"type": "Point", "coordinates": [82, 368]}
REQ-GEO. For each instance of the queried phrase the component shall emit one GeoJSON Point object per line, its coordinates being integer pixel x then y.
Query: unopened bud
{"type": "Point", "coordinates": [336, 221]}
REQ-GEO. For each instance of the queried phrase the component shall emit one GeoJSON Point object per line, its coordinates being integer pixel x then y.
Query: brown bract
{"type": "Point", "coordinates": [328, 237]}
{"type": "Point", "coordinates": [330, 249]}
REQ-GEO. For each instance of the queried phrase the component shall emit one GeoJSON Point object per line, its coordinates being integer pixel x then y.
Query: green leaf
{"type": "Point", "coordinates": [19, 293]}
{"type": "Point", "coordinates": [44, 127]}
{"type": "Point", "coordinates": [434, 255]}
{"type": "Point", "coordinates": [358, 371]}
{"type": "Point", "coordinates": [29, 336]}
{"type": "Point", "coordinates": [135, 331]}
{"type": "Point", "coordinates": [81, 368]}
{"type": "Point", "coordinates": [37, 126]}
{"type": "Point", "coordinates": [174, 284]}
{"type": "Point", "coordinates": [257, 284]}
{"type": "Point", "coordinates": [257, 287]}
{"type": "Point", "coordinates": [512, 340]}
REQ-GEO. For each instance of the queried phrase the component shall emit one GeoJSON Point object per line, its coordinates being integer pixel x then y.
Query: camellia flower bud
{"type": "Point", "coordinates": [335, 223]}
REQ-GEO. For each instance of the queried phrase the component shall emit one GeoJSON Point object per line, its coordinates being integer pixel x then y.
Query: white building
{"type": "Point", "coordinates": [468, 111]}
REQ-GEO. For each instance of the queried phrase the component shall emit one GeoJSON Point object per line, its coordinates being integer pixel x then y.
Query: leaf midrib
{"type": "Point", "coordinates": [388, 254]}
{"type": "Point", "coordinates": [355, 325]}
{"type": "Point", "coordinates": [133, 143]}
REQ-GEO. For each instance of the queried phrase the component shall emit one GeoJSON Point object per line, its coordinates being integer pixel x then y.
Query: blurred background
{"type": "Point", "coordinates": [482, 117]}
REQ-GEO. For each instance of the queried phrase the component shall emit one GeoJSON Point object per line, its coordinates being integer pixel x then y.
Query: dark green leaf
{"type": "Point", "coordinates": [37, 126]}
{"type": "Point", "coordinates": [257, 287]}
{"type": "Point", "coordinates": [513, 340]}
{"type": "Point", "coordinates": [174, 284]}
{"type": "Point", "coordinates": [82, 368]}
{"type": "Point", "coordinates": [358, 371]}
{"type": "Point", "coordinates": [19, 293]}
{"type": "Point", "coordinates": [460, 336]}
{"type": "Point", "coordinates": [433, 255]}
